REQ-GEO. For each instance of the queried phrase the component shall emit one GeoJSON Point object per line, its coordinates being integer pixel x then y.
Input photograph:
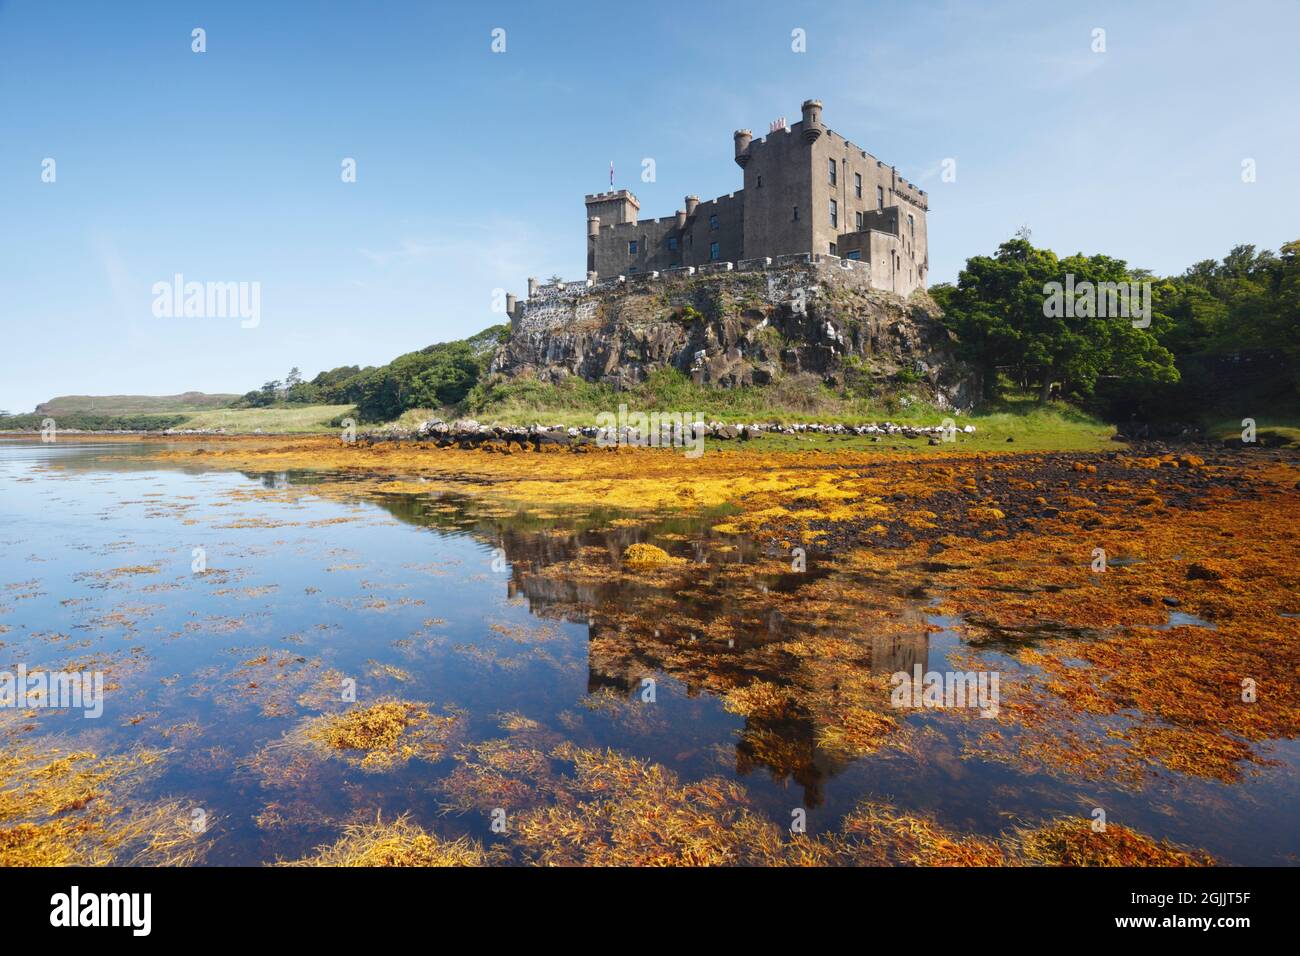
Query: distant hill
{"type": "Point", "coordinates": [134, 404]}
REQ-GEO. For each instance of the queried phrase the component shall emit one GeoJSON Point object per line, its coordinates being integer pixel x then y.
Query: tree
{"type": "Point", "coordinates": [1016, 313]}
{"type": "Point", "coordinates": [1235, 328]}
{"type": "Point", "coordinates": [299, 392]}
{"type": "Point", "coordinates": [436, 376]}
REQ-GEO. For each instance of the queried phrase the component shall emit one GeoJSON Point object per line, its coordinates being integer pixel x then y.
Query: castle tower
{"type": "Point", "coordinates": [812, 120]}
{"type": "Point", "coordinates": [612, 208]}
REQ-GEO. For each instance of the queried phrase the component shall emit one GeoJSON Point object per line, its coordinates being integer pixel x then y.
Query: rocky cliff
{"type": "Point", "coordinates": [735, 327]}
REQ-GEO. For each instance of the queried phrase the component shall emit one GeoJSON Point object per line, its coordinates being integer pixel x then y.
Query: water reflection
{"type": "Point", "coordinates": [727, 624]}
{"type": "Point", "coordinates": [631, 637]}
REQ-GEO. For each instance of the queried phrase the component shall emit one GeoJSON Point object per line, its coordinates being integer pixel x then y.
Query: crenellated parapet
{"type": "Point", "coordinates": [554, 303]}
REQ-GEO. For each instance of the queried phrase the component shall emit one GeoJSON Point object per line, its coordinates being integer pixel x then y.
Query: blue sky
{"type": "Point", "coordinates": [472, 165]}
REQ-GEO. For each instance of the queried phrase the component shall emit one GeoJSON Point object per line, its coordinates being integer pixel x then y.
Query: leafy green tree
{"type": "Point", "coordinates": [1235, 331]}
{"type": "Point", "coordinates": [1013, 315]}
{"type": "Point", "coordinates": [437, 376]}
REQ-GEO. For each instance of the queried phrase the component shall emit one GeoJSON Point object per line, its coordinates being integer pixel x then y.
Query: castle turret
{"type": "Point", "coordinates": [743, 139]}
{"type": "Point", "coordinates": [681, 219]}
{"type": "Point", "coordinates": [691, 203]}
{"type": "Point", "coordinates": [532, 287]}
{"type": "Point", "coordinates": [593, 233]}
{"type": "Point", "coordinates": [812, 120]}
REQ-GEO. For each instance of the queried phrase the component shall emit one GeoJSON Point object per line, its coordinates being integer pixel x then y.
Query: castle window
{"type": "Point", "coordinates": [631, 269]}
{"type": "Point", "coordinates": [835, 213]}
{"type": "Point", "coordinates": [880, 197]}
{"type": "Point", "coordinates": [760, 182]}
{"type": "Point", "coordinates": [857, 185]}
{"type": "Point", "coordinates": [713, 250]}
{"type": "Point", "coordinates": [832, 248]}
{"type": "Point", "coordinates": [854, 254]}
{"type": "Point", "coordinates": [713, 223]}
{"type": "Point", "coordinates": [911, 225]}
{"type": "Point", "coordinates": [857, 220]}
{"type": "Point", "coordinates": [832, 170]}
{"type": "Point", "coordinates": [672, 242]}
{"type": "Point", "coordinates": [631, 247]}
{"type": "Point", "coordinates": [796, 213]}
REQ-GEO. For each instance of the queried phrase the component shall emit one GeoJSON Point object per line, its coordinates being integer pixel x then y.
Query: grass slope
{"type": "Point", "coordinates": [1029, 425]}
{"type": "Point", "coordinates": [279, 419]}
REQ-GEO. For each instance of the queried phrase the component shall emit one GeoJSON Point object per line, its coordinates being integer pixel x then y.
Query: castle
{"type": "Point", "coordinates": [807, 190]}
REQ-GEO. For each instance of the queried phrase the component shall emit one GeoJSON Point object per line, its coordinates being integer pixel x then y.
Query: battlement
{"type": "Point", "coordinates": [545, 295]}
{"type": "Point", "coordinates": [611, 194]}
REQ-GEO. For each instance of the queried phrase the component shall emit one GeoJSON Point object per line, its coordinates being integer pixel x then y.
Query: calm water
{"type": "Point", "coordinates": [402, 595]}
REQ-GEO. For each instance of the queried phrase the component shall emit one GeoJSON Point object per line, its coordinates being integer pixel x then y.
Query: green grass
{"type": "Point", "coordinates": [277, 420]}
{"type": "Point", "coordinates": [1270, 430]}
{"type": "Point", "coordinates": [413, 417]}
{"type": "Point", "coordinates": [1053, 428]}
{"type": "Point", "coordinates": [1032, 427]}
{"type": "Point", "coordinates": [793, 398]}
{"type": "Point", "coordinates": [1273, 406]}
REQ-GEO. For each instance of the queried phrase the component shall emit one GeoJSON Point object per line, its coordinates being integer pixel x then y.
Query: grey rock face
{"type": "Point", "coordinates": [737, 328]}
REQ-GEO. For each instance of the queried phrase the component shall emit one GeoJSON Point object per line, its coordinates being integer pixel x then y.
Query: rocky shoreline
{"type": "Point", "coordinates": [467, 433]}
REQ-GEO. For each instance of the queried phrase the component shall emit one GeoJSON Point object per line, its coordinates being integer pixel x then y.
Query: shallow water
{"type": "Point", "coordinates": [410, 597]}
